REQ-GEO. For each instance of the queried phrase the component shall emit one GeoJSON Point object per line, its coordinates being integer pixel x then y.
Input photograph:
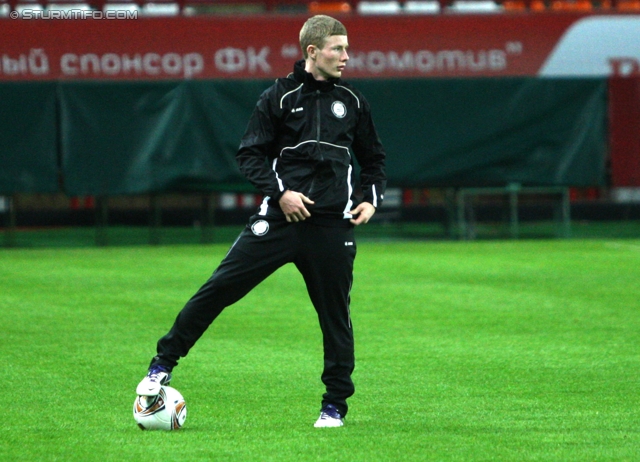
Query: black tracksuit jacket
{"type": "Point", "coordinates": [301, 137]}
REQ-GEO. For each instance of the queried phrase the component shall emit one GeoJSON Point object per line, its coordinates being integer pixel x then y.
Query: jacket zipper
{"type": "Point", "coordinates": [318, 115]}
{"type": "Point", "coordinates": [313, 180]}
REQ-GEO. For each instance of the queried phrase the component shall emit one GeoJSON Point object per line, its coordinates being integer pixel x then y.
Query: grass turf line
{"type": "Point", "coordinates": [465, 351]}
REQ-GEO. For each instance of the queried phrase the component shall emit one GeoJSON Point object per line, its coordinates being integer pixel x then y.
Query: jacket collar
{"type": "Point", "coordinates": [311, 84]}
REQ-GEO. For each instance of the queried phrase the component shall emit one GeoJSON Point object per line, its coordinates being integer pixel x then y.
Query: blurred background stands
{"type": "Point", "coordinates": [332, 7]}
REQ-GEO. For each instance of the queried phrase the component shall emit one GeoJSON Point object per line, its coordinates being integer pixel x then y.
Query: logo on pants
{"type": "Point", "coordinates": [260, 228]}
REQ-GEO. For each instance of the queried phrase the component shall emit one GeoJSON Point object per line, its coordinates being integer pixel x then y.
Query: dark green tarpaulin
{"type": "Point", "coordinates": [491, 132]}
{"type": "Point", "coordinates": [139, 137]}
{"type": "Point", "coordinates": [151, 137]}
{"type": "Point", "coordinates": [28, 138]}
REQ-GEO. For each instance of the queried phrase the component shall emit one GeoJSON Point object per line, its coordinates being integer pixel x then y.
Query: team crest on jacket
{"type": "Point", "coordinates": [339, 109]}
{"type": "Point", "coordinates": [260, 228]}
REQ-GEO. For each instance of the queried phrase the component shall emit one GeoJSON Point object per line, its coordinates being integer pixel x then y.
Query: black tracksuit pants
{"type": "Point", "coordinates": [324, 255]}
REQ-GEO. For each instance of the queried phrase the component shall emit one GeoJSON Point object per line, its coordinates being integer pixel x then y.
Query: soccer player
{"type": "Point", "coordinates": [297, 150]}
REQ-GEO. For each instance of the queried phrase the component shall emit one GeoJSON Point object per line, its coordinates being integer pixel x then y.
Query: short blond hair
{"type": "Point", "coordinates": [317, 29]}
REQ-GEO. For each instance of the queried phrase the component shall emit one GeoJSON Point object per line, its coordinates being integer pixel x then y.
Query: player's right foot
{"type": "Point", "coordinates": [151, 384]}
{"type": "Point", "coordinates": [329, 417]}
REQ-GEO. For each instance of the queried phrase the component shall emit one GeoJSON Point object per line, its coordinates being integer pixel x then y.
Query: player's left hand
{"type": "Point", "coordinates": [362, 213]}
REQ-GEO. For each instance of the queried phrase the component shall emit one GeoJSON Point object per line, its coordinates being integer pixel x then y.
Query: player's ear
{"type": "Point", "coordinates": [311, 51]}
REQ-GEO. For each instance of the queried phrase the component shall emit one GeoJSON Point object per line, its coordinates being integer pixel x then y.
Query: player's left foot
{"type": "Point", "coordinates": [152, 383]}
{"type": "Point", "coordinates": [329, 417]}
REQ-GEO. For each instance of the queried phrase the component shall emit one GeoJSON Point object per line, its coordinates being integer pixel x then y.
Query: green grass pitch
{"type": "Point", "coordinates": [514, 351]}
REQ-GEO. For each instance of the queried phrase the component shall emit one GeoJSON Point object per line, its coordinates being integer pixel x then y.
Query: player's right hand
{"type": "Point", "coordinates": [292, 204]}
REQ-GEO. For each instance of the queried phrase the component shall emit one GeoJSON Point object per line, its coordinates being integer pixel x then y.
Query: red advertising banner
{"type": "Point", "coordinates": [125, 47]}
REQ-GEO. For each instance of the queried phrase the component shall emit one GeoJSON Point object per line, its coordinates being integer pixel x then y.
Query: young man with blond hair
{"type": "Point", "coordinates": [298, 150]}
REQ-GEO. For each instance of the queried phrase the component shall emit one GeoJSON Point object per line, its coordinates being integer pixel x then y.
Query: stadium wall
{"type": "Point", "coordinates": [467, 108]}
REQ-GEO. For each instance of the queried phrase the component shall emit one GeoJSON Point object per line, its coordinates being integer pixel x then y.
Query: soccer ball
{"type": "Point", "coordinates": [166, 411]}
